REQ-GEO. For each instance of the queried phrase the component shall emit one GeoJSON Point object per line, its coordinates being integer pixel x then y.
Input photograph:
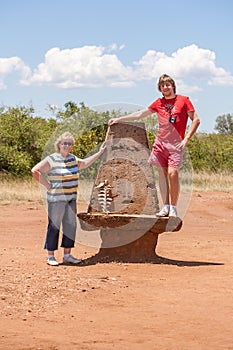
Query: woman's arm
{"type": "Point", "coordinates": [37, 173]}
{"type": "Point", "coordinates": [86, 162]}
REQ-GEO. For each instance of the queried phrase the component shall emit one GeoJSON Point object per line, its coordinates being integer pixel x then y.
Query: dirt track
{"type": "Point", "coordinates": [184, 302]}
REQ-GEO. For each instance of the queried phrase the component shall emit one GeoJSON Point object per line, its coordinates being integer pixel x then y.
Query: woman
{"type": "Point", "coordinates": [62, 170]}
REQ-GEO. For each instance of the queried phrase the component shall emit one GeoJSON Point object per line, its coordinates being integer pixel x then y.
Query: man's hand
{"type": "Point", "coordinates": [113, 121]}
{"type": "Point", "coordinates": [182, 144]}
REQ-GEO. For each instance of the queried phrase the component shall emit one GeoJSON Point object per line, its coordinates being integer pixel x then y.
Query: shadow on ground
{"type": "Point", "coordinates": [100, 259]}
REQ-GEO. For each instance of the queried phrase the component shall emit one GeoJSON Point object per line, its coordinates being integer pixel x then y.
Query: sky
{"type": "Point", "coordinates": [112, 52]}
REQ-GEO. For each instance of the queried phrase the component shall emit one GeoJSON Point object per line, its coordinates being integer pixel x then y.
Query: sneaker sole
{"type": "Point", "coordinates": [52, 264]}
{"type": "Point", "coordinates": [70, 263]}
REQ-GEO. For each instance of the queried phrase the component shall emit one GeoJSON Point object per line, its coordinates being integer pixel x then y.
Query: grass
{"type": "Point", "coordinates": [15, 190]}
{"type": "Point", "coordinates": [204, 181]}
{"type": "Point", "coordinates": [18, 190]}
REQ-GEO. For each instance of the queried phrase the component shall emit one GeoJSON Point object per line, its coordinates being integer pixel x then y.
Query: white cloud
{"type": "Point", "coordinates": [10, 65]}
{"type": "Point", "coordinates": [88, 66]}
{"type": "Point", "coordinates": [184, 88]}
{"type": "Point", "coordinates": [190, 62]}
{"type": "Point", "coordinates": [221, 77]}
{"type": "Point", "coordinates": [115, 47]}
{"type": "Point", "coordinates": [96, 66]}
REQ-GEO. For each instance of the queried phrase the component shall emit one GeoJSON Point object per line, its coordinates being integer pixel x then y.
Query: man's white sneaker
{"type": "Point", "coordinates": [163, 212]}
{"type": "Point", "coordinates": [52, 261]}
{"type": "Point", "coordinates": [172, 212]}
{"type": "Point", "coordinates": [71, 260]}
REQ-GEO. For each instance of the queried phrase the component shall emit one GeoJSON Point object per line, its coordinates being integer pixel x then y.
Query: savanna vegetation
{"type": "Point", "coordinates": [26, 139]}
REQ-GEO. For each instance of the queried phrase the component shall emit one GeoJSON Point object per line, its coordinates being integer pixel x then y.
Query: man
{"type": "Point", "coordinates": [168, 149]}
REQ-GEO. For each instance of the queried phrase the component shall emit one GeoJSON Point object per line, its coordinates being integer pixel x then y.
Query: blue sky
{"type": "Point", "coordinates": [112, 52]}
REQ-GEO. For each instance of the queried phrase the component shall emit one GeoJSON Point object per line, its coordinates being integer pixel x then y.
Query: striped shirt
{"type": "Point", "coordinates": [63, 177]}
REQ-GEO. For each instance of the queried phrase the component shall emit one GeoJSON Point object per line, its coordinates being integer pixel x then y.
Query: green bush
{"type": "Point", "coordinates": [26, 139]}
{"type": "Point", "coordinates": [211, 152]}
{"type": "Point", "coordinates": [23, 138]}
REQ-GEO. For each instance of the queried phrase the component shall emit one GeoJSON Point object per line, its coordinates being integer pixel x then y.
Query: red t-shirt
{"type": "Point", "coordinates": [169, 109]}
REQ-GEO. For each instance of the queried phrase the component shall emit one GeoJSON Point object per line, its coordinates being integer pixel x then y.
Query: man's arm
{"type": "Point", "coordinates": [193, 128]}
{"type": "Point", "coordinates": [133, 116]}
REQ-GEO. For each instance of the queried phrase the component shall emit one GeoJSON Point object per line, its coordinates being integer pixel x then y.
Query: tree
{"type": "Point", "coordinates": [224, 124]}
{"type": "Point", "coordinates": [23, 138]}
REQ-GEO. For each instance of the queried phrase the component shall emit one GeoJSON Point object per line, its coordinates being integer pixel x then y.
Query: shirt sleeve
{"type": "Point", "coordinates": [49, 160]}
{"type": "Point", "coordinates": [153, 106]}
{"type": "Point", "coordinates": [190, 107]}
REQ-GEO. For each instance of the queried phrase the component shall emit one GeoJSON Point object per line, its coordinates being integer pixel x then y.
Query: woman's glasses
{"type": "Point", "coordinates": [67, 143]}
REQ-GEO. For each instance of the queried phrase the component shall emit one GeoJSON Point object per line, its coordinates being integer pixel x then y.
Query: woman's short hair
{"type": "Point", "coordinates": [165, 78]}
{"type": "Point", "coordinates": [65, 135]}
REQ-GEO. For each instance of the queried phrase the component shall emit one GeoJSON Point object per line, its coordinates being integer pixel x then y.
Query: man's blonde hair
{"type": "Point", "coordinates": [65, 135]}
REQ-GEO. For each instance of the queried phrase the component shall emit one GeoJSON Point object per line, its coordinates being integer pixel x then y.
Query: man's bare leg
{"type": "Point", "coordinates": [173, 175]}
{"type": "Point", "coordinates": [164, 185]}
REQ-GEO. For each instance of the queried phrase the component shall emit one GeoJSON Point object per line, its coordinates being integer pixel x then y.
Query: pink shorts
{"type": "Point", "coordinates": [165, 154]}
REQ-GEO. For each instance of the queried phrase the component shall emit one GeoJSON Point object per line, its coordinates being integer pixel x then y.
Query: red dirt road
{"type": "Point", "coordinates": [184, 302]}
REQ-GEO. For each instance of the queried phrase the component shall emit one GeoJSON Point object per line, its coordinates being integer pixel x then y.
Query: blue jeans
{"type": "Point", "coordinates": [61, 213]}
